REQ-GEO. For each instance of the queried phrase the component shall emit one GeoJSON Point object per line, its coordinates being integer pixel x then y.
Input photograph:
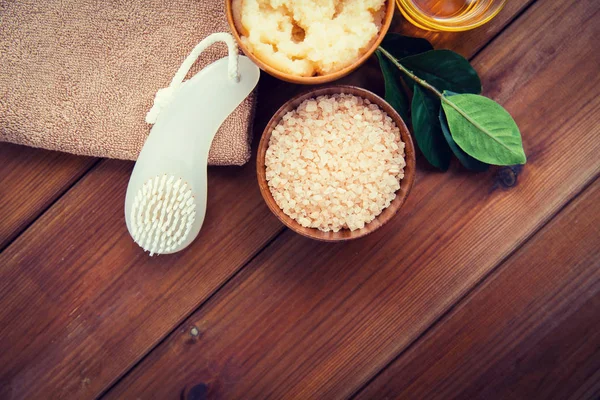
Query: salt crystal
{"type": "Point", "coordinates": [311, 106]}
{"type": "Point", "coordinates": [334, 162]}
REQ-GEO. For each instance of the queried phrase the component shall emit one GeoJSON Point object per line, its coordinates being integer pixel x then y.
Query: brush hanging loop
{"type": "Point", "coordinates": [165, 95]}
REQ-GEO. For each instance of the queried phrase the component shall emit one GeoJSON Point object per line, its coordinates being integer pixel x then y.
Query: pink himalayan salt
{"type": "Point", "coordinates": [335, 162]}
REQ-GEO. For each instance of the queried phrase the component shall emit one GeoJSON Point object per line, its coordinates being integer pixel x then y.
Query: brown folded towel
{"type": "Point", "coordinates": [80, 75]}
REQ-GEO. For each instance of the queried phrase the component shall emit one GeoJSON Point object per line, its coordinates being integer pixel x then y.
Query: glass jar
{"type": "Point", "coordinates": [449, 15]}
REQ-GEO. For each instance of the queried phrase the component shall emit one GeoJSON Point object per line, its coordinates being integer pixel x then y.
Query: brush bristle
{"type": "Point", "coordinates": [162, 214]}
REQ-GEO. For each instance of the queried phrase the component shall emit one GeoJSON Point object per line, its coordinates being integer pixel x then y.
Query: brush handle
{"type": "Point", "coordinates": [180, 140]}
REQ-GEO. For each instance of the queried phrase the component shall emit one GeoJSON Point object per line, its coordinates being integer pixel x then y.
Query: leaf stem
{"type": "Point", "coordinates": [443, 98]}
{"type": "Point", "coordinates": [431, 88]}
{"type": "Point", "coordinates": [408, 73]}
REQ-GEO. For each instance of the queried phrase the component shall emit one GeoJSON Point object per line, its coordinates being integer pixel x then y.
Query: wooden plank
{"type": "Point", "coordinates": [81, 302]}
{"type": "Point", "coordinates": [31, 180]}
{"type": "Point", "coordinates": [531, 331]}
{"type": "Point", "coordinates": [314, 320]}
{"type": "Point", "coordinates": [101, 304]}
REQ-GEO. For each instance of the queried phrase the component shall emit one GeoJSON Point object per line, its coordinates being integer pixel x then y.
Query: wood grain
{"type": "Point", "coordinates": [531, 331]}
{"type": "Point", "coordinates": [313, 320]}
{"type": "Point", "coordinates": [344, 234]}
{"type": "Point", "coordinates": [30, 180]}
{"type": "Point", "coordinates": [80, 302]}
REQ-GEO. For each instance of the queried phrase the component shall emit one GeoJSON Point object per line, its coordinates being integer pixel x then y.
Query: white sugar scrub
{"type": "Point", "coordinates": [308, 37]}
{"type": "Point", "coordinates": [335, 162]}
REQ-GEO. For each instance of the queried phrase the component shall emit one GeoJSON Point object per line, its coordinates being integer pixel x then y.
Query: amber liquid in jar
{"type": "Point", "coordinates": [449, 15]}
{"type": "Point", "coordinates": [446, 8]}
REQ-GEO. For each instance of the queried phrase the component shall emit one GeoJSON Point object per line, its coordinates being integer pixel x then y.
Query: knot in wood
{"type": "Point", "coordinates": [507, 176]}
{"type": "Point", "coordinates": [197, 392]}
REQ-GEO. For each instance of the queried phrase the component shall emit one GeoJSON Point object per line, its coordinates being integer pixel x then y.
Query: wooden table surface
{"type": "Point", "coordinates": [485, 285]}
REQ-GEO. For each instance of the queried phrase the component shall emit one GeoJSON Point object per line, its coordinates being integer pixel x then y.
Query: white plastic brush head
{"type": "Point", "coordinates": [162, 214]}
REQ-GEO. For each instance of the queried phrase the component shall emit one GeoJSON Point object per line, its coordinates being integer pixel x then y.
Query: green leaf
{"type": "Point", "coordinates": [427, 129]}
{"type": "Point", "coordinates": [401, 46]}
{"type": "Point", "coordinates": [466, 160]}
{"type": "Point", "coordinates": [445, 70]}
{"type": "Point", "coordinates": [394, 92]}
{"type": "Point", "coordinates": [483, 129]}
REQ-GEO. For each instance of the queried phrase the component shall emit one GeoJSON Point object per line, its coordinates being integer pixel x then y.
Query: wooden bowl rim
{"type": "Point", "coordinates": [312, 80]}
{"type": "Point", "coordinates": [386, 215]}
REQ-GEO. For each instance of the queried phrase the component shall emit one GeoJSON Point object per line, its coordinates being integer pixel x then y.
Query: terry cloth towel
{"type": "Point", "coordinates": [80, 75]}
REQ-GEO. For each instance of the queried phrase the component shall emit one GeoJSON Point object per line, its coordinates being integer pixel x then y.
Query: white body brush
{"type": "Point", "coordinates": [166, 197]}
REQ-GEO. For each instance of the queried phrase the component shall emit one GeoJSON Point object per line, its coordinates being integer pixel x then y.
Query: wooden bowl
{"type": "Point", "coordinates": [313, 80]}
{"type": "Point", "coordinates": [344, 234]}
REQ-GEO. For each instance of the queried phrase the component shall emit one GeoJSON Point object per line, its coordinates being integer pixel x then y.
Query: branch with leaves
{"type": "Point", "coordinates": [448, 114]}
